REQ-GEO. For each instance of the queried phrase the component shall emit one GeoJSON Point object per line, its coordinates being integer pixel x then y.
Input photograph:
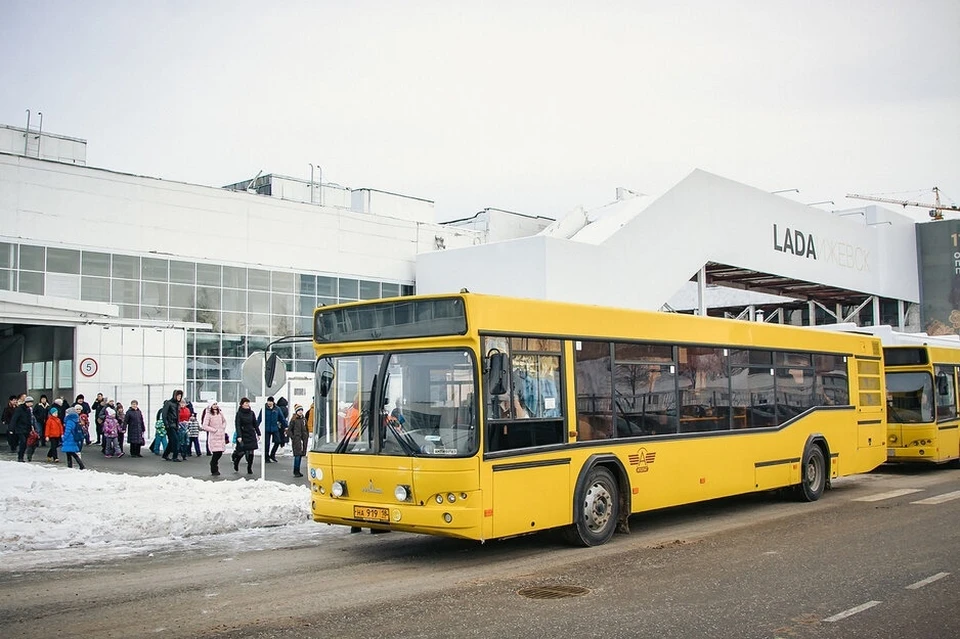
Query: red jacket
{"type": "Point", "coordinates": [53, 427]}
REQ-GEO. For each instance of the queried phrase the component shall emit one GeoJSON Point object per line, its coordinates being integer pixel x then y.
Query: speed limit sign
{"type": "Point", "coordinates": [88, 367]}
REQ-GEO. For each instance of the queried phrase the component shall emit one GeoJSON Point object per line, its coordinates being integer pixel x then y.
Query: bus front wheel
{"type": "Point", "coordinates": [596, 509]}
{"type": "Point", "coordinates": [813, 474]}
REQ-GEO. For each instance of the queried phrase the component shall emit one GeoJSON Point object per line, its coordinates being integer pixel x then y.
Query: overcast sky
{"type": "Point", "coordinates": [530, 106]}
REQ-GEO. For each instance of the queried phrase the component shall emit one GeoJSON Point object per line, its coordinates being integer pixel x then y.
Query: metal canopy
{"type": "Point", "coordinates": [749, 280]}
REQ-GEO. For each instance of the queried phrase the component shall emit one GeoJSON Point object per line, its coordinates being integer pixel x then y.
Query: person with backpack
{"type": "Point", "coordinates": [274, 423]}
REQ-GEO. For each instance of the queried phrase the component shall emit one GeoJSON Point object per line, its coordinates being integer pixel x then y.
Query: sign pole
{"type": "Point", "coordinates": [263, 424]}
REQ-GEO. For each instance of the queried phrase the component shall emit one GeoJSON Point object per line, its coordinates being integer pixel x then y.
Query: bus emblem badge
{"type": "Point", "coordinates": [370, 488]}
{"type": "Point", "coordinates": [642, 460]}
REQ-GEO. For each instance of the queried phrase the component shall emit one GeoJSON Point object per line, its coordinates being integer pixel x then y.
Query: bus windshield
{"type": "Point", "coordinates": [404, 403]}
{"type": "Point", "coordinates": [909, 398]}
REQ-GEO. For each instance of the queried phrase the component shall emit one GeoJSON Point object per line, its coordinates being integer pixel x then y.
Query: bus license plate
{"type": "Point", "coordinates": [369, 513]}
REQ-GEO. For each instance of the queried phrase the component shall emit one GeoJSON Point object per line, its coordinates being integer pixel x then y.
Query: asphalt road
{"type": "Point", "coordinates": [757, 566]}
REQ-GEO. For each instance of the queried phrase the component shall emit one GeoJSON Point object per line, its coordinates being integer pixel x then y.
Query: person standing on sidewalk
{"type": "Point", "coordinates": [215, 424]}
{"type": "Point", "coordinates": [273, 423]}
{"type": "Point", "coordinates": [110, 430]}
{"type": "Point", "coordinates": [40, 415]}
{"type": "Point", "coordinates": [54, 432]}
{"type": "Point", "coordinates": [193, 432]}
{"type": "Point", "coordinates": [22, 425]}
{"type": "Point", "coordinates": [135, 428]}
{"type": "Point", "coordinates": [73, 437]}
{"type": "Point", "coordinates": [170, 415]}
{"type": "Point", "coordinates": [247, 433]}
{"type": "Point", "coordinates": [298, 438]}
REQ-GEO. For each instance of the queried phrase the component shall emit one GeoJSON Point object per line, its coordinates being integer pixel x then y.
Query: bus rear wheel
{"type": "Point", "coordinates": [813, 474]}
{"type": "Point", "coordinates": [596, 509]}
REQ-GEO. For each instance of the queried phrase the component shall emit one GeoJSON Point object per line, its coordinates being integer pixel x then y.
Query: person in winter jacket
{"type": "Point", "coordinates": [84, 420]}
{"type": "Point", "coordinates": [248, 430]}
{"type": "Point", "coordinates": [7, 420]}
{"type": "Point", "coordinates": [110, 429]}
{"type": "Point", "coordinates": [298, 438]}
{"type": "Point", "coordinates": [54, 432]}
{"type": "Point", "coordinates": [121, 423]}
{"type": "Point", "coordinates": [135, 428]}
{"type": "Point", "coordinates": [170, 413]}
{"type": "Point", "coordinates": [73, 437]}
{"type": "Point", "coordinates": [193, 432]}
{"type": "Point", "coordinates": [21, 424]}
{"type": "Point", "coordinates": [274, 424]}
{"type": "Point", "coordinates": [215, 424]}
{"type": "Point", "coordinates": [40, 418]}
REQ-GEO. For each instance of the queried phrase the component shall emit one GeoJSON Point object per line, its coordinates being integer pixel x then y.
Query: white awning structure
{"type": "Point", "coordinates": [639, 252]}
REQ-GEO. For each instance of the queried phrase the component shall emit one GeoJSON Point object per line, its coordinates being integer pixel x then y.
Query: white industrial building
{"type": "Point", "coordinates": [133, 286]}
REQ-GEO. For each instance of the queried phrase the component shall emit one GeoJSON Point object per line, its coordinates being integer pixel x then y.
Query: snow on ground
{"type": "Point", "coordinates": [54, 516]}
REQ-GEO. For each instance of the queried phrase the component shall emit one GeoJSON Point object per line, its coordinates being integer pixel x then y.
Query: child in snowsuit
{"type": "Point", "coordinates": [111, 427]}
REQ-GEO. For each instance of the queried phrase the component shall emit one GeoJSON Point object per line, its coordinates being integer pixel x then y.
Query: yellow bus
{"type": "Point", "coordinates": [485, 417]}
{"type": "Point", "coordinates": [922, 420]}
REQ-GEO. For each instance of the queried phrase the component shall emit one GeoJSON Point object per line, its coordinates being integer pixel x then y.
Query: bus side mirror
{"type": "Point", "coordinates": [497, 370]}
{"type": "Point", "coordinates": [943, 385]}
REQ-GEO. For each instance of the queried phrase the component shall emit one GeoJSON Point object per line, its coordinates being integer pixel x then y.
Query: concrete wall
{"type": "Point", "coordinates": [145, 364]}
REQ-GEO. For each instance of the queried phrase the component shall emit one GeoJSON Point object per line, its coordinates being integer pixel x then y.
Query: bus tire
{"type": "Point", "coordinates": [596, 509]}
{"type": "Point", "coordinates": [813, 474]}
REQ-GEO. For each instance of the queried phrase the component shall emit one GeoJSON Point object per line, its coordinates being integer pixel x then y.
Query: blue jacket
{"type": "Point", "coordinates": [274, 419]}
{"type": "Point", "coordinates": [72, 433]}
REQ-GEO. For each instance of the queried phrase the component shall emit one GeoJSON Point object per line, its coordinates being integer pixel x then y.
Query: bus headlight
{"type": "Point", "coordinates": [451, 498]}
{"type": "Point", "coordinates": [402, 493]}
{"type": "Point", "coordinates": [439, 498]}
{"type": "Point", "coordinates": [316, 473]}
{"type": "Point", "coordinates": [339, 488]}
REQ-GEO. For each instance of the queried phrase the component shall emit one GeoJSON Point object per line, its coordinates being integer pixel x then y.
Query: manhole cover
{"type": "Point", "coordinates": [552, 592]}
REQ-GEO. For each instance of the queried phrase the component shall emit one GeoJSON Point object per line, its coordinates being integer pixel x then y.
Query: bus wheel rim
{"type": "Point", "coordinates": [813, 474]}
{"type": "Point", "coordinates": [597, 507]}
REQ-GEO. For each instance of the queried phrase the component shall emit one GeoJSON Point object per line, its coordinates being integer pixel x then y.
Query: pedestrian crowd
{"type": "Point", "coordinates": [65, 427]}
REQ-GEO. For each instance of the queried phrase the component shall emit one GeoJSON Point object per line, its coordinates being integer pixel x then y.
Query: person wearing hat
{"type": "Point", "coordinates": [21, 424]}
{"type": "Point", "coordinates": [298, 438]}
{"type": "Point", "coordinates": [73, 436]}
{"type": "Point", "coordinates": [53, 429]}
{"type": "Point", "coordinates": [215, 424]}
{"type": "Point", "coordinates": [111, 427]}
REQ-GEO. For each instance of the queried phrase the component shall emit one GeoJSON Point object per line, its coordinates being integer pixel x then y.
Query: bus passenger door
{"type": "Point", "coordinates": [530, 495]}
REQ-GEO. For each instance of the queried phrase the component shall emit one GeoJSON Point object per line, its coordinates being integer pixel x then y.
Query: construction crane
{"type": "Point", "coordinates": [936, 210]}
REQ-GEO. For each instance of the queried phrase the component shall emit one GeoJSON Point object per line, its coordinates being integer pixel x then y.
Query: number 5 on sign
{"type": "Point", "coordinates": [88, 367]}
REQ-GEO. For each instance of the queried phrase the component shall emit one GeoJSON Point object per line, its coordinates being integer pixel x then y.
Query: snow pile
{"type": "Point", "coordinates": [52, 508]}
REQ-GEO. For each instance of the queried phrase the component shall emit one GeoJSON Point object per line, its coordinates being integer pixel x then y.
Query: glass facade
{"type": "Point", "coordinates": [246, 307]}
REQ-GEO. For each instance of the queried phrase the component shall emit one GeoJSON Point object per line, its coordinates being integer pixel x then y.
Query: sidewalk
{"type": "Point", "coordinates": [151, 465]}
